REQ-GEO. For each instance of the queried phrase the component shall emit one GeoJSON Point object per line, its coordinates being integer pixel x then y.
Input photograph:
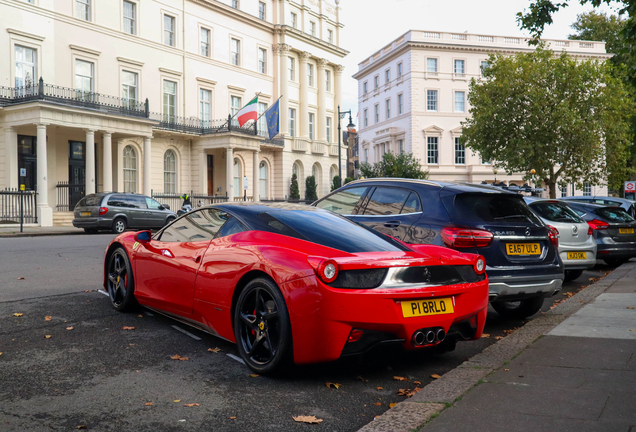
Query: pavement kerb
{"type": "Point", "coordinates": [415, 412]}
{"type": "Point", "coordinates": [39, 234]}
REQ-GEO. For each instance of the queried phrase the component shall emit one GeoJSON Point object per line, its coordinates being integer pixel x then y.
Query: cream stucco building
{"type": "Point", "coordinates": [134, 96]}
{"type": "Point", "coordinates": [413, 94]}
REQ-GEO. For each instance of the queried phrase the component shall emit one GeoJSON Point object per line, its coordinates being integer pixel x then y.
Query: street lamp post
{"type": "Point", "coordinates": [341, 115]}
{"type": "Point", "coordinates": [495, 173]}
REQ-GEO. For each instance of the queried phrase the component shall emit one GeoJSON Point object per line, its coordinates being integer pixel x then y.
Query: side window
{"type": "Point", "coordinates": [134, 202]}
{"type": "Point", "coordinates": [152, 204]}
{"type": "Point", "coordinates": [412, 204]}
{"type": "Point", "coordinates": [232, 226]}
{"type": "Point", "coordinates": [197, 226]}
{"type": "Point", "coordinates": [386, 201]}
{"type": "Point", "coordinates": [117, 201]}
{"type": "Point", "coordinates": [343, 202]}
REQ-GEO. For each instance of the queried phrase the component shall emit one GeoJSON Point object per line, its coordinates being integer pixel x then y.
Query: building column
{"type": "Point", "coordinates": [107, 160]}
{"type": "Point", "coordinates": [229, 173]}
{"type": "Point", "coordinates": [45, 213]}
{"type": "Point", "coordinates": [120, 165]}
{"type": "Point", "coordinates": [303, 99]}
{"type": "Point", "coordinates": [147, 166]}
{"type": "Point", "coordinates": [90, 162]}
{"type": "Point", "coordinates": [11, 158]}
{"type": "Point", "coordinates": [338, 90]}
{"type": "Point", "coordinates": [283, 50]}
{"type": "Point", "coordinates": [255, 183]}
{"type": "Point", "coordinates": [322, 102]}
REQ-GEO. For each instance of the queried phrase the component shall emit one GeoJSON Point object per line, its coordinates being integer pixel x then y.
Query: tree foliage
{"type": "Point", "coordinates": [566, 119]}
{"type": "Point", "coordinates": [403, 165]}
{"type": "Point", "coordinates": [335, 183]}
{"type": "Point", "coordinates": [294, 192]}
{"type": "Point", "coordinates": [310, 189]}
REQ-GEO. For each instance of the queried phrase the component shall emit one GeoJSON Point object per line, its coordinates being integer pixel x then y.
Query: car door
{"type": "Point", "coordinates": [136, 211]}
{"type": "Point", "coordinates": [156, 213]}
{"type": "Point", "coordinates": [166, 267]}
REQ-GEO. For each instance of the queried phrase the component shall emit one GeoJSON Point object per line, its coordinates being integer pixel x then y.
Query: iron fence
{"type": "Point", "coordinates": [196, 126]}
{"type": "Point", "coordinates": [10, 206]}
{"type": "Point", "coordinates": [68, 195]}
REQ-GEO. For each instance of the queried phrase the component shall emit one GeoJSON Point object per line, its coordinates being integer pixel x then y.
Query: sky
{"type": "Point", "coordinates": [372, 24]}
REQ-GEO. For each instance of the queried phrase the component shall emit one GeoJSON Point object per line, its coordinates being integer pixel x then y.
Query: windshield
{"type": "Point", "coordinates": [555, 212]}
{"type": "Point", "coordinates": [90, 201]}
{"type": "Point", "coordinates": [614, 214]}
{"type": "Point", "coordinates": [326, 229]}
{"type": "Point", "coordinates": [489, 208]}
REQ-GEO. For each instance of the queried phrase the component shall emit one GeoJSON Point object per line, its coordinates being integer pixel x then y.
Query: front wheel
{"type": "Point", "coordinates": [262, 327]}
{"type": "Point", "coordinates": [120, 284]}
{"type": "Point", "coordinates": [519, 309]}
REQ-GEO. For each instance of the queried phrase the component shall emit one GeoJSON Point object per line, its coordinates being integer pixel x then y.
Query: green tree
{"type": "Point", "coordinates": [348, 180]}
{"type": "Point", "coordinates": [310, 189]}
{"type": "Point", "coordinates": [294, 193]}
{"type": "Point", "coordinates": [566, 119]}
{"type": "Point", "coordinates": [335, 183]}
{"type": "Point", "coordinates": [403, 165]}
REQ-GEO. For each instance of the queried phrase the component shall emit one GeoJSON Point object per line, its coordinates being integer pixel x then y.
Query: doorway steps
{"type": "Point", "coordinates": [63, 219]}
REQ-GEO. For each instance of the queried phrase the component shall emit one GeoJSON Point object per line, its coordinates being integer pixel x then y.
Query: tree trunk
{"type": "Point", "coordinates": [552, 189]}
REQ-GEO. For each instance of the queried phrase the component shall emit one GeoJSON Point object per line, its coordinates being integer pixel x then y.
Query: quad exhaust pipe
{"type": "Point", "coordinates": [428, 336]}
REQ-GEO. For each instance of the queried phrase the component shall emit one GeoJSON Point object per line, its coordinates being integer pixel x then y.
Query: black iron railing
{"type": "Point", "coordinates": [196, 126]}
{"type": "Point", "coordinates": [68, 195]}
{"type": "Point", "coordinates": [10, 206]}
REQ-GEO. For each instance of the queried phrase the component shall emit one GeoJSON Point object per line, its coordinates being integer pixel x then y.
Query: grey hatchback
{"type": "Point", "coordinates": [117, 211]}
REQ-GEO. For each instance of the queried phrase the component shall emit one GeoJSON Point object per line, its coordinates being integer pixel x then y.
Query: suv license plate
{"type": "Point", "coordinates": [523, 249]}
{"type": "Point", "coordinates": [577, 255]}
{"type": "Point", "coordinates": [427, 307]}
{"type": "Point", "coordinates": [85, 213]}
{"type": "Point", "coordinates": [626, 230]}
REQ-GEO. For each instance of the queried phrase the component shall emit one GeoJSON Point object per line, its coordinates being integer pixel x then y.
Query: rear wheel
{"type": "Point", "coordinates": [120, 284]}
{"type": "Point", "coordinates": [615, 262]}
{"type": "Point", "coordinates": [119, 226]}
{"type": "Point", "coordinates": [262, 327]}
{"type": "Point", "coordinates": [168, 221]}
{"type": "Point", "coordinates": [519, 309]}
{"type": "Point", "coordinates": [570, 275]}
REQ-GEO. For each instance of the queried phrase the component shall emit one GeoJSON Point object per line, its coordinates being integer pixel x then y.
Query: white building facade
{"type": "Point", "coordinates": [135, 95]}
{"type": "Point", "coordinates": [413, 96]}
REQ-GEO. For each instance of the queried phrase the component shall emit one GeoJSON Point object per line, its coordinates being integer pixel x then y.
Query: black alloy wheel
{"type": "Point", "coordinates": [262, 327]}
{"type": "Point", "coordinates": [120, 283]}
{"type": "Point", "coordinates": [119, 225]}
{"type": "Point", "coordinates": [519, 309]}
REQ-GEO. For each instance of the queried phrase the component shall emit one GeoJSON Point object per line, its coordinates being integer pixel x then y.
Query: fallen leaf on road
{"type": "Point", "coordinates": [380, 388]}
{"type": "Point", "coordinates": [140, 316]}
{"type": "Point", "coordinates": [20, 278]}
{"type": "Point", "coordinates": [69, 328]}
{"type": "Point", "coordinates": [630, 307]}
{"type": "Point", "coordinates": [510, 331]}
{"type": "Point", "coordinates": [149, 403]}
{"type": "Point", "coordinates": [191, 405]}
{"type": "Point", "coordinates": [398, 378]}
{"type": "Point", "coordinates": [333, 385]}
{"type": "Point", "coordinates": [499, 337]}
{"type": "Point", "coordinates": [377, 403]}
{"type": "Point", "coordinates": [47, 318]}
{"type": "Point", "coordinates": [362, 379]}
{"type": "Point", "coordinates": [485, 335]}
{"type": "Point", "coordinates": [435, 376]}
{"type": "Point", "coordinates": [253, 375]}
{"type": "Point", "coordinates": [415, 390]}
{"type": "Point", "coordinates": [417, 382]}
{"type": "Point", "coordinates": [127, 328]}
{"type": "Point", "coordinates": [18, 314]}
{"type": "Point", "coordinates": [403, 392]}
{"type": "Point", "coordinates": [47, 336]}
{"type": "Point", "coordinates": [392, 404]}
{"type": "Point", "coordinates": [131, 344]}
{"type": "Point", "coordinates": [178, 357]}
{"type": "Point", "coordinates": [631, 330]}
{"type": "Point", "coordinates": [232, 418]}
{"type": "Point", "coordinates": [178, 400]}
{"type": "Point", "coordinates": [307, 419]}
{"type": "Point", "coordinates": [507, 370]}
{"type": "Point", "coordinates": [89, 290]}
{"type": "Point", "coordinates": [82, 427]}
{"type": "Point", "coordinates": [214, 350]}
{"type": "Point", "coordinates": [0, 353]}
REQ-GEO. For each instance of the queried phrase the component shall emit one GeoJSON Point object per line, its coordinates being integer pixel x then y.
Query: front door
{"type": "Point", "coordinates": [210, 175]}
{"type": "Point", "coordinates": [27, 161]}
{"type": "Point", "coordinates": [76, 172]}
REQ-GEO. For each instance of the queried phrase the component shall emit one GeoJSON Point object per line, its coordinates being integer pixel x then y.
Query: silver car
{"type": "Point", "coordinates": [577, 247]}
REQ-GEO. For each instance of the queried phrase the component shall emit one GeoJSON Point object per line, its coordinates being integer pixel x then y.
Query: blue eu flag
{"type": "Point", "coordinates": [272, 118]}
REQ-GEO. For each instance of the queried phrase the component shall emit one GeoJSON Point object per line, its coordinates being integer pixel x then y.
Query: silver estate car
{"type": "Point", "coordinates": [577, 246]}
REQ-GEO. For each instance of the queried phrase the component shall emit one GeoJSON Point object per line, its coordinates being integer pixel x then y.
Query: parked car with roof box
{"type": "Point", "coordinates": [577, 247]}
{"type": "Point", "coordinates": [625, 204]}
{"type": "Point", "coordinates": [523, 265]}
{"type": "Point", "coordinates": [118, 211]}
{"type": "Point", "coordinates": [614, 231]}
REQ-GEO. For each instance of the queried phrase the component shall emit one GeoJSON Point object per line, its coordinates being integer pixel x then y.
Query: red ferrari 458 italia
{"type": "Point", "coordinates": [296, 283]}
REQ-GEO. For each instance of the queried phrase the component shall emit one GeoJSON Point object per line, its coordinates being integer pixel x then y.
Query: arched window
{"type": "Point", "coordinates": [262, 180]}
{"type": "Point", "coordinates": [333, 172]}
{"type": "Point", "coordinates": [315, 171]}
{"type": "Point", "coordinates": [296, 170]}
{"type": "Point", "coordinates": [130, 170]}
{"type": "Point", "coordinates": [169, 172]}
{"type": "Point", "coordinates": [237, 177]}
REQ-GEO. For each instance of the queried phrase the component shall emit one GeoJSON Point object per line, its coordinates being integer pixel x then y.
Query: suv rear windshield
{"type": "Point", "coordinates": [326, 229]}
{"type": "Point", "coordinates": [490, 208]}
{"type": "Point", "coordinates": [556, 212]}
{"type": "Point", "coordinates": [614, 214]}
{"type": "Point", "coordinates": [90, 201]}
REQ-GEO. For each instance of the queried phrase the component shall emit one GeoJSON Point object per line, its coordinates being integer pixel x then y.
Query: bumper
{"type": "Point", "coordinates": [518, 287]}
{"type": "Point", "coordinates": [322, 317]}
{"type": "Point", "coordinates": [578, 264]}
{"type": "Point", "coordinates": [95, 223]}
{"type": "Point", "coordinates": [608, 248]}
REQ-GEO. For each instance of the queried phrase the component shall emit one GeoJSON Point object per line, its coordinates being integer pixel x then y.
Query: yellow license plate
{"type": "Point", "coordinates": [85, 213]}
{"type": "Point", "coordinates": [577, 255]}
{"type": "Point", "coordinates": [523, 248]}
{"type": "Point", "coordinates": [626, 230]}
{"type": "Point", "coordinates": [427, 307]}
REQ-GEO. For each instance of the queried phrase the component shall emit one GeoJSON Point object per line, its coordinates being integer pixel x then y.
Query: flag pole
{"type": "Point", "coordinates": [259, 117]}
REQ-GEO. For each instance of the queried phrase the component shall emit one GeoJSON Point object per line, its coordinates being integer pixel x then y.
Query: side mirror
{"type": "Point", "coordinates": [165, 207]}
{"type": "Point", "coordinates": [143, 236]}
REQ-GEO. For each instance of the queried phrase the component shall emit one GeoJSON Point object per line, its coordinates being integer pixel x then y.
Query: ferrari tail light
{"type": "Point", "coordinates": [473, 321]}
{"type": "Point", "coordinates": [596, 224]}
{"type": "Point", "coordinates": [480, 265]}
{"type": "Point", "coordinates": [355, 335]}
{"type": "Point", "coordinates": [553, 234]}
{"type": "Point", "coordinates": [466, 238]}
{"type": "Point", "coordinates": [103, 211]}
{"type": "Point", "coordinates": [326, 269]}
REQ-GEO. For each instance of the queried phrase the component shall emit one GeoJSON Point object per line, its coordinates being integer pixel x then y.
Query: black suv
{"type": "Point", "coordinates": [523, 266]}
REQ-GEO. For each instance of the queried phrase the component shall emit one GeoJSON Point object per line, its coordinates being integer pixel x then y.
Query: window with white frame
{"type": "Point", "coordinates": [485, 161]}
{"type": "Point", "coordinates": [431, 66]}
{"type": "Point", "coordinates": [460, 101]}
{"type": "Point", "coordinates": [365, 116]}
{"type": "Point", "coordinates": [130, 16]}
{"type": "Point", "coordinates": [564, 191]}
{"type": "Point", "coordinates": [460, 153]}
{"type": "Point", "coordinates": [458, 67]}
{"type": "Point", "coordinates": [205, 42]}
{"type": "Point", "coordinates": [235, 4]}
{"type": "Point", "coordinates": [169, 100]}
{"type": "Point", "coordinates": [328, 80]}
{"type": "Point", "coordinates": [400, 146]}
{"type": "Point", "coordinates": [377, 113]}
{"type": "Point", "coordinates": [235, 52]}
{"type": "Point", "coordinates": [262, 181]}
{"type": "Point", "coordinates": [310, 74]}
{"type": "Point", "coordinates": [235, 105]}
{"type": "Point", "coordinates": [431, 100]}
{"type": "Point", "coordinates": [376, 82]}
{"type": "Point", "coordinates": [262, 60]}
{"type": "Point", "coordinates": [484, 64]}
{"type": "Point", "coordinates": [330, 36]}
{"type": "Point", "coordinates": [311, 126]}
{"type": "Point", "coordinates": [83, 9]}
{"type": "Point", "coordinates": [262, 121]}
{"type": "Point", "coordinates": [432, 150]}
{"type": "Point", "coordinates": [400, 104]}
{"type": "Point", "coordinates": [365, 88]}
{"type": "Point", "coordinates": [169, 23]}
{"type": "Point", "coordinates": [292, 122]}
{"type": "Point", "coordinates": [294, 20]}
{"type": "Point", "coordinates": [237, 177]}
{"type": "Point", "coordinates": [587, 189]}
{"type": "Point", "coordinates": [130, 170]}
{"type": "Point", "coordinates": [262, 10]}
{"type": "Point", "coordinates": [312, 28]}
{"type": "Point", "coordinates": [387, 76]}
{"type": "Point", "coordinates": [399, 69]}
{"type": "Point", "coordinates": [328, 129]}
{"type": "Point", "coordinates": [366, 155]}
{"type": "Point", "coordinates": [205, 107]}
{"type": "Point", "coordinates": [84, 78]}
{"type": "Point", "coordinates": [292, 69]}
{"type": "Point", "coordinates": [169, 172]}
{"type": "Point", "coordinates": [129, 88]}
{"type": "Point", "coordinates": [387, 108]}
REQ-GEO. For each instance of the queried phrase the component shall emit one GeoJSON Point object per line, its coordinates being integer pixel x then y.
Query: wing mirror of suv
{"type": "Point", "coordinates": [143, 236]}
{"type": "Point", "coordinates": [164, 207]}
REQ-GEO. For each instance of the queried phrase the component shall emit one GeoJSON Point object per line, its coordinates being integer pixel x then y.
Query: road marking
{"type": "Point", "coordinates": [238, 359]}
{"type": "Point", "coordinates": [103, 292]}
{"type": "Point", "coordinates": [195, 337]}
{"type": "Point", "coordinates": [148, 313]}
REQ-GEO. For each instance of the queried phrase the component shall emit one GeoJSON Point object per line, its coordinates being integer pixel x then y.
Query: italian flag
{"type": "Point", "coordinates": [248, 112]}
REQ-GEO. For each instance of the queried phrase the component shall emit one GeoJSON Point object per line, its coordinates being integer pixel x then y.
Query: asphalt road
{"type": "Point", "coordinates": [93, 372]}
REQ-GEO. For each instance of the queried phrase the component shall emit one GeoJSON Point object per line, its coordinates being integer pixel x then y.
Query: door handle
{"type": "Point", "coordinates": [197, 259]}
{"type": "Point", "coordinates": [392, 224]}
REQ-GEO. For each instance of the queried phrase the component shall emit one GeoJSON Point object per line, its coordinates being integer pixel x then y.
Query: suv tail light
{"type": "Point", "coordinates": [553, 234]}
{"type": "Point", "coordinates": [466, 238]}
{"type": "Point", "coordinates": [103, 211]}
{"type": "Point", "coordinates": [598, 224]}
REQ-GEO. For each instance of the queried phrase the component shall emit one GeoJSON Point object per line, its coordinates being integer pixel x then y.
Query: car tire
{"type": "Point", "coordinates": [570, 275]}
{"type": "Point", "coordinates": [120, 282]}
{"type": "Point", "coordinates": [615, 262]}
{"type": "Point", "coordinates": [262, 327]}
{"type": "Point", "coordinates": [169, 220]}
{"type": "Point", "coordinates": [90, 230]}
{"type": "Point", "coordinates": [119, 226]}
{"type": "Point", "coordinates": [519, 309]}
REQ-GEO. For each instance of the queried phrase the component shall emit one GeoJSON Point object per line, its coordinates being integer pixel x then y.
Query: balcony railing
{"type": "Point", "coordinates": [196, 126]}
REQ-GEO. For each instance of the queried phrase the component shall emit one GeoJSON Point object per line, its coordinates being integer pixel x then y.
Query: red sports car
{"type": "Point", "coordinates": [297, 283]}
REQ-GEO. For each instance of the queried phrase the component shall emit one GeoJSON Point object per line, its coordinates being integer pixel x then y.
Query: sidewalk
{"type": "Point", "coordinates": [571, 369]}
{"type": "Point", "coordinates": [33, 231]}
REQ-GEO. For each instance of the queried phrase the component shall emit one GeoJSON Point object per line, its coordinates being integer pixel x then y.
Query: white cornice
{"type": "Point", "coordinates": [290, 31]}
{"type": "Point", "coordinates": [170, 71]}
{"type": "Point", "coordinates": [84, 49]}
{"type": "Point", "coordinates": [206, 81]}
{"type": "Point", "coordinates": [235, 13]}
{"type": "Point", "coordinates": [130, 61]}
{"type": "Point", "coordinates": [25, 34]}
